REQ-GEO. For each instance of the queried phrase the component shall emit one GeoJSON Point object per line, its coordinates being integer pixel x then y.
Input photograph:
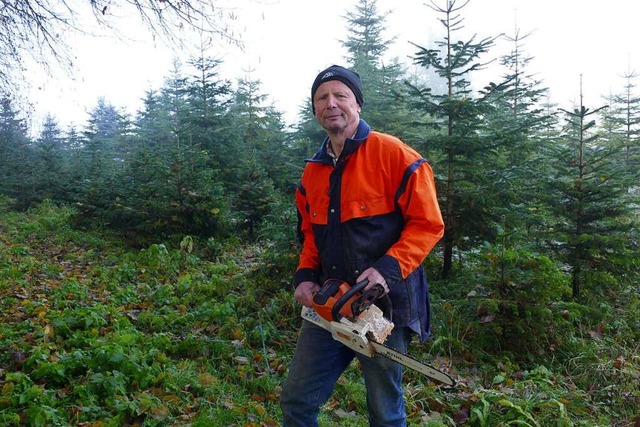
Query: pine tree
{"type": "Point", "coordinates": [622, 122]}
{"type": "Point", "coordinates": [463, 146]}
{"type": "Point", "coordinates": [516, 125]}
{"type": "Point", "coordinates": [145, 202]}
{"type": "Point", "coordinates": [255, 197]}
{"type": "Point", "coordinates": [53, 180]}
{"type": "Point", "coordinates": [174, 189]}
{"type": "Point", "coordinates": [382, 77]}
{"type": "Point", "coordinates": [17, 177]}
{"type": "Point", "coordinates": [588, 195]}
{"type": "Point", "coordinates": [261, 127]}
{"type": "Point", "coordinates": [208, 99]}
{"type": "Point", "coordinates": [102, 161]}
{"type": "Point", "coordinates": [307, 135]}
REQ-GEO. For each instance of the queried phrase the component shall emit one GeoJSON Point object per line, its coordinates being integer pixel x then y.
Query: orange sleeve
{"type": "Point", "coordinates": [424, 226]}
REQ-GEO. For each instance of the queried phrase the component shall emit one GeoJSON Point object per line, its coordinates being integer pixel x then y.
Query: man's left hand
{"type": "Point", "coordinates": [374, 277]}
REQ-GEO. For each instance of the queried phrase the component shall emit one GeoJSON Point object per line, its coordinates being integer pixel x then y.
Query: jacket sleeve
{"type": "Point", "coordinates": [309, 263]}
{"type": "Point", "coordinates": [424, 227]}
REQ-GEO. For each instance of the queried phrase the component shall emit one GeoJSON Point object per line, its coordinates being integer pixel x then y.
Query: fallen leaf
{"type": "Point", "coordinates": [241, 360]}
{"type": "Point", "coordinates": [462, 415]}
{"type": "Point", "coordinates": [619, 362]}
{"type": "Point", "coordinates": [487, 319]}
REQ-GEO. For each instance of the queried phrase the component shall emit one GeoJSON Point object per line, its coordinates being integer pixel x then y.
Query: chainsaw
{"type": "Point", "coordinates": [353, 317]}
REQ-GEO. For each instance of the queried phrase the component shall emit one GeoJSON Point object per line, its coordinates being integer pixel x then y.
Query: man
{"type": "Point", "coordinates": [367, 209]}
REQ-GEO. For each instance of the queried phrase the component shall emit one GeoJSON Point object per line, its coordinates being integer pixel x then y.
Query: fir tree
{"type": "Point", "coordinates": [462, 148]}
{"type": "Point", "coordinates": [588, 195]}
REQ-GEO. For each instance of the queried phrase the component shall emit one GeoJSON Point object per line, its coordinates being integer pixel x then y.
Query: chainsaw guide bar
{"type": "Point", "coordinates": [355, 335]}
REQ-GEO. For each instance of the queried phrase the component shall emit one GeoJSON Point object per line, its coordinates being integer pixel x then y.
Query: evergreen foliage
{"type": "Point", "coordinates": [17, 178]}
{"type": "Point", "coordinates": [621, 124]}
{"type": "Point", "coordinates": [535, 282]}
{"type": "Point", "coordinates": [367, 50]}
{"type": "Point", "coordinates": [592, 207]}
{"type": "Point", "coordinates": [461, 145]}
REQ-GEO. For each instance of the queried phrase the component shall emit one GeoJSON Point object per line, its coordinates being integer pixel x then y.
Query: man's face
{"type": "Point", "coordinates": [336, 106]}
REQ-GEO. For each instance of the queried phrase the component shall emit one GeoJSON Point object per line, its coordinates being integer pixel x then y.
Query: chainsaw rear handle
{"type": "Point", "coordinates": [335, 310]}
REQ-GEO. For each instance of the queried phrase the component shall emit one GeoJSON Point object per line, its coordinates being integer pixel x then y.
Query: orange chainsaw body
{"type": "Point", "coordinates": [326, 298]}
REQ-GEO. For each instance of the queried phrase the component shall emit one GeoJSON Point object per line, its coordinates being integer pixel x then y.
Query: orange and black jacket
{"type": "Point", "coordinates": [376, 207]}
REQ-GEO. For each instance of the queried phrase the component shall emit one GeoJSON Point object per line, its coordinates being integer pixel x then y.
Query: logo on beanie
{"type": "Point", "coordinates": [328, 74]}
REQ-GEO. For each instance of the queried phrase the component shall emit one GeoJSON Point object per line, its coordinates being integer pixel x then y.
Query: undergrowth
{"type": "Point", "coordinates": [94, 333]}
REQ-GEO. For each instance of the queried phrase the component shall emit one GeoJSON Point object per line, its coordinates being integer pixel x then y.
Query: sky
{"type": "Point", "coordinates": [287, 42]}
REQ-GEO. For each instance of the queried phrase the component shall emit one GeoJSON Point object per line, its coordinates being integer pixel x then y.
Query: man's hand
{"type": "Point", "coordinates": [374, 277]}
{"type": "Point", "coordinates": [304, 293]}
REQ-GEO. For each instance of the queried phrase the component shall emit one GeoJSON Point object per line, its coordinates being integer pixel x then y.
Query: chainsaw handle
{"type": "Point", "coordinates": [335, 310]}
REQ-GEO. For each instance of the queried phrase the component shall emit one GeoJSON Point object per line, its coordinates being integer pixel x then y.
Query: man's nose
{"type": "Point", "coordinates": [332, 101]}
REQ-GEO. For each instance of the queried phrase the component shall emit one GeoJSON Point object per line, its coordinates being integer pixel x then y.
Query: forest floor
{"type": "Point", "coordinates": [94, 333]}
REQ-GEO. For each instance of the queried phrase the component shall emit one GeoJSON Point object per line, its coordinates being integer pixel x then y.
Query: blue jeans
{"type": "Point", "coordinates": [318, 362]}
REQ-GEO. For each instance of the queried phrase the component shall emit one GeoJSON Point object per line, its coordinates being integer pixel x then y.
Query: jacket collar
{"type": "Point", "coordinates": [350, 146]}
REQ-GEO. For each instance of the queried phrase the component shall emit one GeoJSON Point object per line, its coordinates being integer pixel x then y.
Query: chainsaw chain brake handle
{"type": "Point", "coordinates": [348, 295]}
{"type": "Point", "coordinates": [366, 299]}
{"type": "Point", "coordinates": [337, 299]}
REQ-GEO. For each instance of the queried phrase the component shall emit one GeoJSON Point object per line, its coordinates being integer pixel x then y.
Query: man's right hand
{"type": "Point", "coordinates": [305, 291]}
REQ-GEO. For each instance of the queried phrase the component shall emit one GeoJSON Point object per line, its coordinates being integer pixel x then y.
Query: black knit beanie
{"type": "Point", "coordinates": [336, 72]}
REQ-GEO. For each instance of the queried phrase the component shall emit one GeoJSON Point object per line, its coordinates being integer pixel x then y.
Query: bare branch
{"type": "Point", "coordinates": [37, 29]}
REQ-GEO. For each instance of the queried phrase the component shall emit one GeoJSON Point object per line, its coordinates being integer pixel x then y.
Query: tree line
{"type": "Point", "coordinates": [526, 188]}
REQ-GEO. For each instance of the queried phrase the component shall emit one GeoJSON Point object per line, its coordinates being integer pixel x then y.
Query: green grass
{"type": "Point", "coordinates": [93, 333]}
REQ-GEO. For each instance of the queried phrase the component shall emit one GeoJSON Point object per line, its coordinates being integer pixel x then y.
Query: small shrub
{"type": "Point", "coordinates": [514, 300]}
